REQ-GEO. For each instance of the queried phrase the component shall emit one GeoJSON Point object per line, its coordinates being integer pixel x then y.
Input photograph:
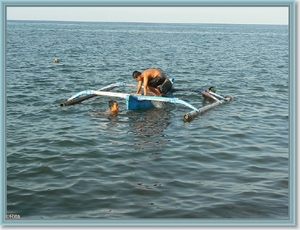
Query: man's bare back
{"type": "Point", "coordinates": [151, 79]}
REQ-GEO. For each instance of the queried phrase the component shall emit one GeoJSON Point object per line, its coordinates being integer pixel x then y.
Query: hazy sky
{"type": "Point", "coordinates": [252, 15]}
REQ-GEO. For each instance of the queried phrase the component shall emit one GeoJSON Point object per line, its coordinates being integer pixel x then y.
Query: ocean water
{"type": "Point", "coordinates": [73, 162]}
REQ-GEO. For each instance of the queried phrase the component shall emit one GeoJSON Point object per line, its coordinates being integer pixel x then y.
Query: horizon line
{"type": "Point", "coordinates": [91, 21]}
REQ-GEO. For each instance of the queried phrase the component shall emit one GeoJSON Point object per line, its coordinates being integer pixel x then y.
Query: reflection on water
{"type": "Point", "coordinates": [149, 122]}
{"type": "Point", "coordinates": [148, 127]}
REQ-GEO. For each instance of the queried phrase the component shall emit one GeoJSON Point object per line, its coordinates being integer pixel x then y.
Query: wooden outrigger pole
{"type": "Point", "coordinates": [189, 116]}
{"type": "Point", "coordinates": [86, 94]}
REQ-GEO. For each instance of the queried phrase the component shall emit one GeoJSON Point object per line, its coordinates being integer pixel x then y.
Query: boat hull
{"type": "Point", "coordinates": [132, 103]}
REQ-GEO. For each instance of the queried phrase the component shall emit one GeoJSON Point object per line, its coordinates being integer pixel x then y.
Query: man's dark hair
{"type": "Point", "coordinates": [135, 74]}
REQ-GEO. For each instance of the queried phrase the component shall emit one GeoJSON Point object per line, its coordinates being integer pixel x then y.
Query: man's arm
{"type": "Point", "coordinates": [139, 87]}
{"type": "Point", "coordinates": [146, 79]}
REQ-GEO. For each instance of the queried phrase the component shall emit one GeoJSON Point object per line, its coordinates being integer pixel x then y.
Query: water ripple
{"type": "Point", "coordinates": [74, 162]}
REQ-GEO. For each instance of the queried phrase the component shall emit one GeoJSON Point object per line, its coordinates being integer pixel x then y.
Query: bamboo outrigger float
{"type": "Point", "coordinates": [189, 116]}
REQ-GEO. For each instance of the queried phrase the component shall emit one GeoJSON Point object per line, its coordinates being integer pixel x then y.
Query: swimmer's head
{"type": "Point", "coordinates": [113, 106]}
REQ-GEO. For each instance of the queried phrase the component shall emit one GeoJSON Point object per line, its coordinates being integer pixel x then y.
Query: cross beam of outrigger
{"type": "Point", "coordinates": [86, 94]}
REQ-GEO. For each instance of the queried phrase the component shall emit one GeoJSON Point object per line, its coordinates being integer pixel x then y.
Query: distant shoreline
{"type": "Point", "coordinates": [174, 23]}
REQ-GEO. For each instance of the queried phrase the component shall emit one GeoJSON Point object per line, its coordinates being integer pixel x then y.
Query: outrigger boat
{"type": "Point", "coordinates": [137, 101]}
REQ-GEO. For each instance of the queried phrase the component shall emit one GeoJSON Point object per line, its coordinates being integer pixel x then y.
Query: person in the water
{"type": "Point", "coordinates": [205, 93]}
{"type": "Point", "coordinates": [113, 107]}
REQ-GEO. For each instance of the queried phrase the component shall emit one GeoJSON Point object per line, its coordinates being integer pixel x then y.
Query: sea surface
{"type": "Point", "coordinates": [75, 162]}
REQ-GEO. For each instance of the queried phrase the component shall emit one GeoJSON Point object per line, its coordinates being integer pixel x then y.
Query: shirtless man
{"type": "Point", "coordinates": [153, 79]}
